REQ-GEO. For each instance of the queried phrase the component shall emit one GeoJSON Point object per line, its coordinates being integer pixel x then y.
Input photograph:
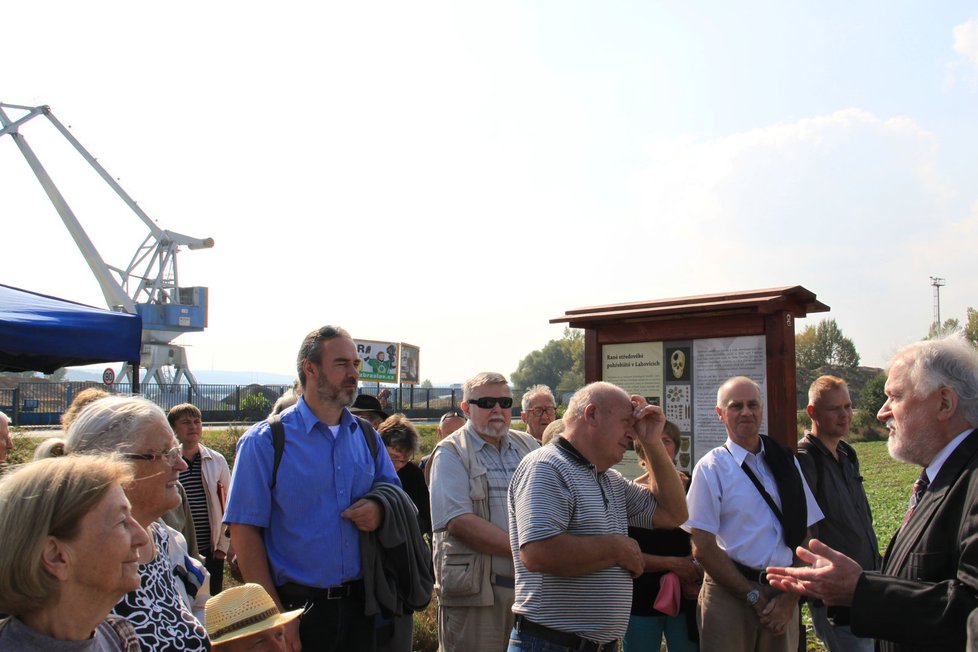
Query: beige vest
{"type": "Point", "coordinates": [462, 575]}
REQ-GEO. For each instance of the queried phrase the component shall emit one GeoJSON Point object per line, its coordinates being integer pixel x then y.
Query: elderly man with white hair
{"type": "Point", "coordinates": [928, 585]}
{"type": "Point", "coordinates": [470, 472]}
{"type": "Point", "coordinates": [539, 410]}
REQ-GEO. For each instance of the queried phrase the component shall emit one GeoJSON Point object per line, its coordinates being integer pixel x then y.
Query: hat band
{"type": "Point", "coordinates": [241, 624]}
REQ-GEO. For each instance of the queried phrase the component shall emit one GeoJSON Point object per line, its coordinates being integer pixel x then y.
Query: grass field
{"type": "Point", "coordinates": [887, 484]}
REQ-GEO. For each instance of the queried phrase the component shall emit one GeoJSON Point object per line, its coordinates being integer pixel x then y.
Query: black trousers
{"type": "Point", "coordinates": [216, 568]}
{"type": "Point", "coordinates": [332, 625]}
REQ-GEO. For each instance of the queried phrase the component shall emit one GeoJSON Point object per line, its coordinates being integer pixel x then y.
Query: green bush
{"type": "Point", "coordinates": [255, 406]}
{"type": "Point", "coordinates": [872, 397]}
{"type": "Point", "coordinates": [865, 427]}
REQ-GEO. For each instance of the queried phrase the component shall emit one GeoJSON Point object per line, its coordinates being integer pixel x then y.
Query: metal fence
{"type": "Point", "coordinates": [42, 404]}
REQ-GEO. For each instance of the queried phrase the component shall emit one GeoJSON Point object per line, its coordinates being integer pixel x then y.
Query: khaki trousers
{"type": "Point", "coordinates": [477, 629]}
{"type": "Point", "coordinates": [728, 623]}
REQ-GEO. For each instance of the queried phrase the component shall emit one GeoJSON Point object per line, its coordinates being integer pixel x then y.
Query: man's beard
{"type": "Point", "coordinates": [494, 429]}
{"type": "Point", "coordinates": [909, 449]}
{"type": "Point", "coordinates": [336, 394]}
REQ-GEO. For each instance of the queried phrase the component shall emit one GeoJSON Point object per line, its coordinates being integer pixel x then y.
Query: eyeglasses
{"type": "Point", "coordinates": [540, 411]}
{"type": "Point", "coordinates": [171, 456]}
{"type": "Point", "coordinates": [488, 402]}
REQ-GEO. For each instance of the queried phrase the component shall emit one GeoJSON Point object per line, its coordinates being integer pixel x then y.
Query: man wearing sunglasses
{"type": "Point", "coordinates": [470, 474]}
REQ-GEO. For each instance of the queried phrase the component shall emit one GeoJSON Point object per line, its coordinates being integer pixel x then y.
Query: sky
{"type": "Point", "coordinates": [454, 175]}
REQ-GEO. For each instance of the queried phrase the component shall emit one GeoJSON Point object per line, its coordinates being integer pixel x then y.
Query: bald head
{"type": "Point", "coordinates": [599, 394]}
{"type": "Point", "coordinates": [600, 423]}
{"type": "Point", "coordinates": [739, 408]}
{"type": "Point", "coordinates": [735, 382]}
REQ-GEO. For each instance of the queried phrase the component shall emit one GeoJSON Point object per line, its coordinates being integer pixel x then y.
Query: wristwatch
{"type": "Point", "coordinates": [753, 596]}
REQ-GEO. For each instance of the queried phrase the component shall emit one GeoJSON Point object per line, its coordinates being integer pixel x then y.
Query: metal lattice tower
{"type": "Point", "coordinates": [937, 282]}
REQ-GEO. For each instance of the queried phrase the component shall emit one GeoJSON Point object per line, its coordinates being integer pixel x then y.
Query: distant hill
{"type": "Point", "coordinates": [204, 377]}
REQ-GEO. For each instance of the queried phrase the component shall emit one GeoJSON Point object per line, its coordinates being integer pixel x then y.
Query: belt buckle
{"type": "Point", "coordinates": [337, 592]}
{"type": "Point", "coordinates": [762, 577]}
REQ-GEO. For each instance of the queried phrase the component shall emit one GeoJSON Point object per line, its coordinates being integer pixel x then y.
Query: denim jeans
{"type": "Point", "coordinates": [523, 642]}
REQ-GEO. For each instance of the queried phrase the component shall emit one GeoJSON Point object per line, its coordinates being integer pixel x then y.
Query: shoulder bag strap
{"type": "Point", "coordinates": [760, 488]}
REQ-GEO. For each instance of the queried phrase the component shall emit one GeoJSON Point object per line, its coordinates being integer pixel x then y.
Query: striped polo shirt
{"type": "Point", "coordinates": [556, 491]}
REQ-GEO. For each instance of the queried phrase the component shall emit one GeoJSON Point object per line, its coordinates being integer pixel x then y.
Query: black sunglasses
{"type": "Point", "coordinates": [488, 402]}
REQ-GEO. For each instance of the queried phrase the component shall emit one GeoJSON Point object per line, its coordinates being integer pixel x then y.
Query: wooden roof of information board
{"type": "Point", "coordinates": [795, 300]}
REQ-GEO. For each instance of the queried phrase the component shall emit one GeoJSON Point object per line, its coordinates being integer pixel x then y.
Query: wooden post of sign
{"type": "Point", "coordinates": [770, 313]}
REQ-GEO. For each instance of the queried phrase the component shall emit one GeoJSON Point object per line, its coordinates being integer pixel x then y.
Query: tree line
{"type": "Point", "coordinates": [560, 363]}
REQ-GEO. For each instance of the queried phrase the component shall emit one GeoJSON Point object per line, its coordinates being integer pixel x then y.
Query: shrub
{"type": "Point", "coordinates": [872, 397]}
{"type": "Point", "coordinates": [865, 427]}
{"type": "Point", "coordinates": [255, 406]}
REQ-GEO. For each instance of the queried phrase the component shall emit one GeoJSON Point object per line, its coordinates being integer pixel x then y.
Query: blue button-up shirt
{"type": "Point", "coordinates": [320, 475]}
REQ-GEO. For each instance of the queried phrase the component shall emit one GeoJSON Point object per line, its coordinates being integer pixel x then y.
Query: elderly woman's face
{"type": "Point", "coordinates": [105, 553]}
{"type": "Point", "coordinates": [154, 490]}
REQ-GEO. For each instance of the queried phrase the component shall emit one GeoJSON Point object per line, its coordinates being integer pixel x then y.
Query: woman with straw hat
{"type": "Point", "coordinates": [245, 618]}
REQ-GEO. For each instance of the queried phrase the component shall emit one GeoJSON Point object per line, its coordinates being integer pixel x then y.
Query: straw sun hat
{"type": "Point", "coordinates": [242, 611]}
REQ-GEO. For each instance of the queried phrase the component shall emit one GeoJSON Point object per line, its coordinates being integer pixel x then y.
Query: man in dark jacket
{"type": "Point", "coordinates": [929, 582]}
{"type": "Point", "coordinates": [831, 468]}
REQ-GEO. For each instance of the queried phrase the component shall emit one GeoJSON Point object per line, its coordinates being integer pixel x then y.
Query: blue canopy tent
{"type": "Point", "coordinates": [42, 333]}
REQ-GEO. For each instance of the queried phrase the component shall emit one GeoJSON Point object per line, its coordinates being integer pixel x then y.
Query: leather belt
{"type": "Point", "coordinates": [563, 639]}
{"type": "Point", "coordinates": [752, 574]}
{"type": "Point", "coordinates": [303, 592]}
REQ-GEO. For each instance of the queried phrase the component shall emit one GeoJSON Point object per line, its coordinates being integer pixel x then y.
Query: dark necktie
{"type": "Point", "coordinates": [919, 487]}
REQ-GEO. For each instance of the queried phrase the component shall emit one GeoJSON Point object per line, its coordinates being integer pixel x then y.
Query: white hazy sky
{"type": "Point", "coordinates": [454, 175]}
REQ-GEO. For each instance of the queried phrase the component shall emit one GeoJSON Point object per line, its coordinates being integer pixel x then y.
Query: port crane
{"type": "Point", "coordinates": [148, 285]}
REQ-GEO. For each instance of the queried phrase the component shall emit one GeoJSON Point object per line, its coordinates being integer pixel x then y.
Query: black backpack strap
{"type": "Point", "coordinates": [278, 441]}
{"type": "Point", "coordinates": [370, 436]}
{"type": "Point", "coordinates": [278, 444]}
{"type": "Point", "coordinates": [851, 452]}
{"type": "Point", "coordinates": [806, 447]}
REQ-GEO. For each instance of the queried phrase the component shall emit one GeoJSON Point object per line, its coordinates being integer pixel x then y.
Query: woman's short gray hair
{"type": "Point", "coordinates": [42, 499]}
{"type": "Point", "coordinates": [110, 425]}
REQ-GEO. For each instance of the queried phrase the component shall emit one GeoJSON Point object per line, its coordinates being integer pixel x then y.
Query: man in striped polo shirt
{"type": "Point", "coordinates": [569, 513]}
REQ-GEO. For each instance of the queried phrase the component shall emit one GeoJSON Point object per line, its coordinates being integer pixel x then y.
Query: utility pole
{"type": "Point", "coordinates": [937, 282]}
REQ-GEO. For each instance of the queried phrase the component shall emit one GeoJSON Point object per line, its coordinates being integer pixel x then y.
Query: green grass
{"type": "Point", "coordinates": [887, 484]}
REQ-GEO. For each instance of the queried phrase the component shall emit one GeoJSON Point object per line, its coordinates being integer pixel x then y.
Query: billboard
{"type": "Point", "coordinates": [410, 374]}
{"type": "Point", "coordinates": [378, 360]}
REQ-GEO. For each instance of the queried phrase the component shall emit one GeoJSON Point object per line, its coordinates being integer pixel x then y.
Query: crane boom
{"type": "Point", "coordinates": [149, 285]}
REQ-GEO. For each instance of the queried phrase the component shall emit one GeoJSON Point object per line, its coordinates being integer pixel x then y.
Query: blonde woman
{"type": "Point", "coordinates": [70, 552]}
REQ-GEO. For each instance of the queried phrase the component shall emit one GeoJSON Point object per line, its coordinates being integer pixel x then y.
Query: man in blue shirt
{"type": "Point", "coordinates": [297, 534]}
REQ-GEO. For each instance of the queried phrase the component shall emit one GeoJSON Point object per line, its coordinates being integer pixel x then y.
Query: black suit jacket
{"type": "Point", "coordinates": [929, 582]}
